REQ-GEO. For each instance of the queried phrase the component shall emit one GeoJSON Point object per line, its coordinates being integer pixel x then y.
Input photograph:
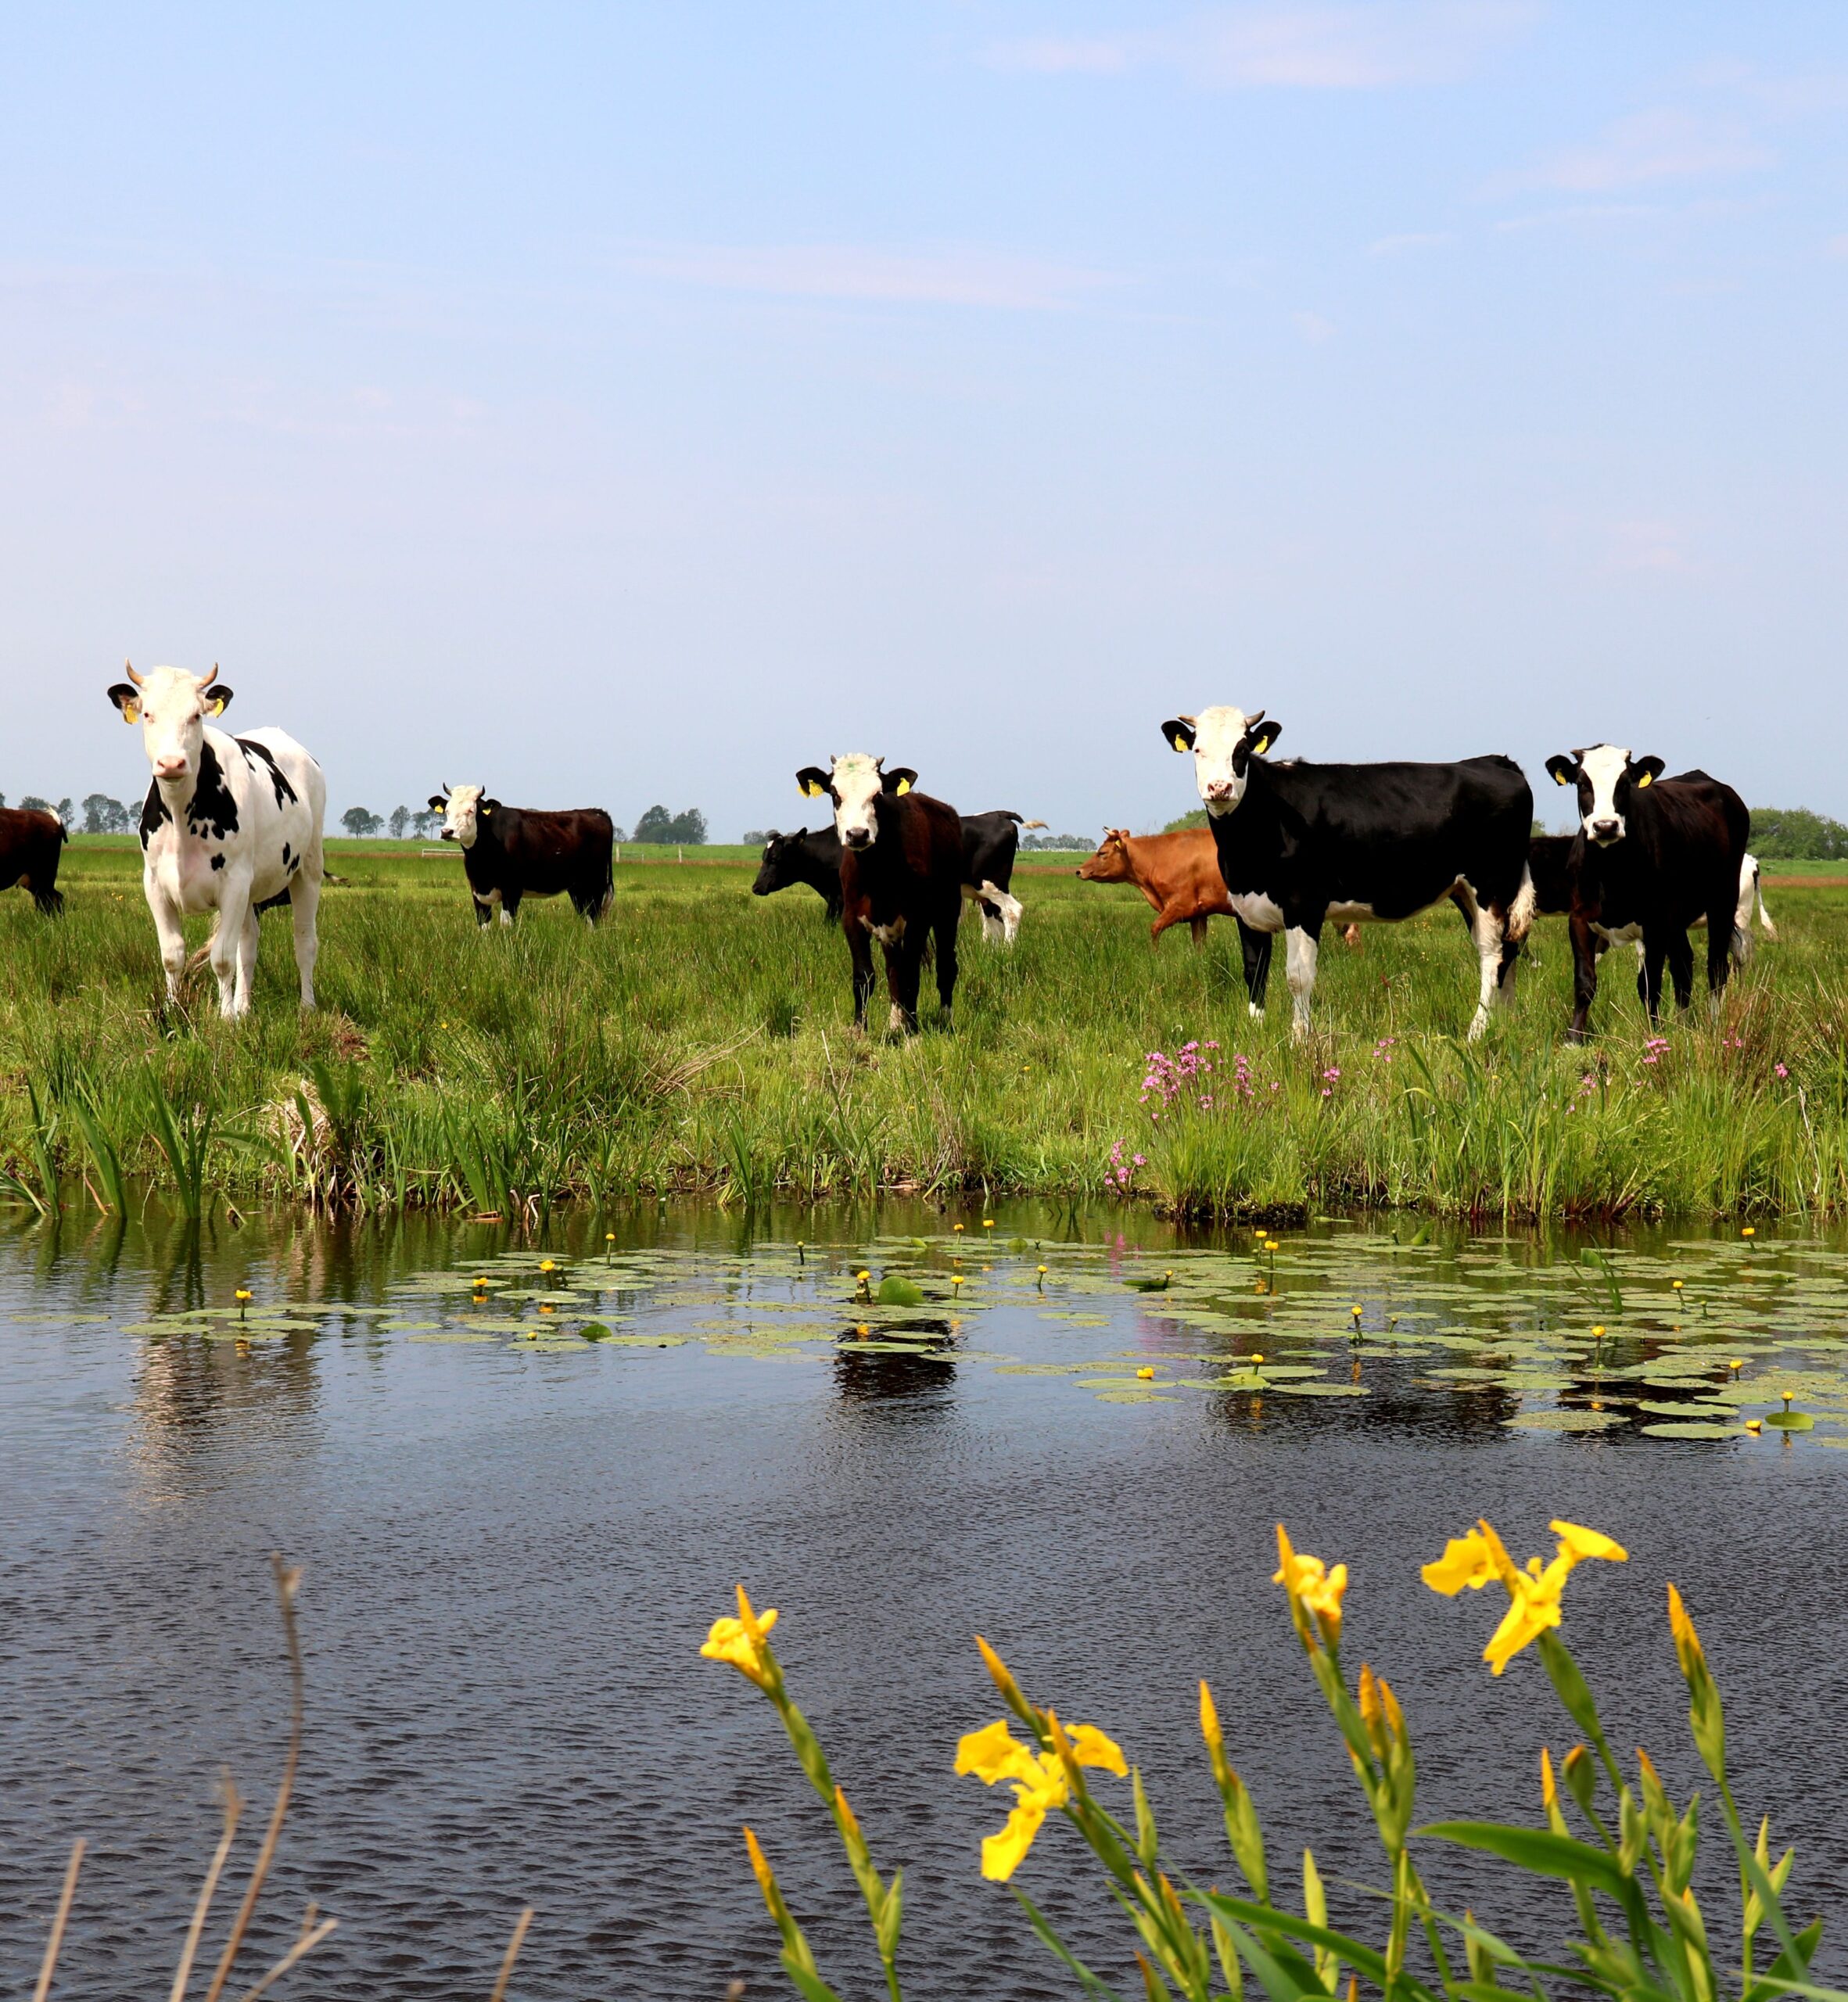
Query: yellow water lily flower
{"type": "Point", "coordinates": [1040, 1781]}
{"type": "Point", "coordinates": [740, 1641]}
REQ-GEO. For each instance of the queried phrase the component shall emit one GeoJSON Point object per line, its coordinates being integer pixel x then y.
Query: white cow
{"type": "Point", "coordinates": [230, 824]}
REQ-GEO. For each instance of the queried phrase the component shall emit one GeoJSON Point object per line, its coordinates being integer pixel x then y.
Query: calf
{"type": "Point", "coordinates": [1651, 855]}
{"type": "Point", "coordinates": [509, 852]}
{"type": "Point", "coordinates": [30, 843]}
{"type": "Point", "coordinates": [1178, 874]}
{"type": "Point", "coordinates": [901, 879]}
{"type": "Point", "coordinates": [230, 824]}
{"type": "Point", "coordinates": [1299, 844]}
{"type": "Point", "coordinates": [989, 843]}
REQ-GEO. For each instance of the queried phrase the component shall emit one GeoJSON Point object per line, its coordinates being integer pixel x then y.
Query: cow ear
{"type": "Point", "coordinates": [439, 802]}
{"type": "Point", "coordinates": [1563, 769]}
{"type": "Point", "coordinates": [218, 701]}
{"type": "Point", "coordinates": [811, 781]}
{"type": "Point", "coordinates": [899, 780]}
{"type": "Point", "coordinates": [127, 699]}
{"type": "Point", "coordinates": [487, 806]}
{"type": "Point", "coordinates": [1265, 735]}
{"type": "Point", "coordinates": [1179, 733]}
{"type": "Point", "coordinates": [1645, 771]}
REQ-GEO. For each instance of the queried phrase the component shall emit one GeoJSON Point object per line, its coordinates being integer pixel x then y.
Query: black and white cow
{"type": "Point", "coordinates": [509, 852]}
{"type": "Point", "coordinates": [990, 842]}
{"type": "Point", "coordinates": [1549, 861]}
{"type": "Point", "coordinates": [901, 879]}
{"type": "Point", "coordinates": [1300, 844]}
{"type": "Point", "coordinates": [230, 824]}
{"type": "Point", "coordinates": [1652, 855]}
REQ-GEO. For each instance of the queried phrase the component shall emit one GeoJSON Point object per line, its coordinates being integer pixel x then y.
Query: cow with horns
{"type": "Point", "coordinates": [1652, 856]}
{"type": "Point", "coordinates": [1300, 844]}
{"type": "Point", "coordinates": [230, 824]}
{"type": "Point", "coordinates": [509, 852]}
{"type": "Point", "coordinates": [901, 879]}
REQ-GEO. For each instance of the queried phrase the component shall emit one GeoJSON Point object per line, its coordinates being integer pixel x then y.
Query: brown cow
{"type": "Point", "coordinates": [30, 843]}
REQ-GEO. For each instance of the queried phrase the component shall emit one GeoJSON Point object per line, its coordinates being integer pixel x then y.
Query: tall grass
{"type": "Point", "coordinates": [701, 1040]}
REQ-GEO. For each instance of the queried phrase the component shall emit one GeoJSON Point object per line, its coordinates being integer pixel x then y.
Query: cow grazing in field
{"type": "Point", "coordinates": [1651, 855]}
{"type": "Point", "coordinates": [1299, 844]}
{"type": "Point", "coordinates": [509, 852]}
{"type": "Point", "coordinates": [901, 878]}
{"type": "Point", "coordinates": [30, 843]}
{"type": "Point", "coordinates": [230, 824]}
{"type": "Point", "coordinates": [989, 843]}
{"type": "Point", "coordinates": [1178, 875]}
{"type": "Point", "coordinates": [1549, 858]}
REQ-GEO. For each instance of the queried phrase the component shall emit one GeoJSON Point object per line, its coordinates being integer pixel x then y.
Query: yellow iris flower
{"type": "Point", "coordinates": [738, 1641]}
{"type": "Point", "coordinates": [1039, 1779]}
{"type": "Point", "coordinates": [1312, 1585]}
{"type": "Point", "coordinates": [1533, 1594]}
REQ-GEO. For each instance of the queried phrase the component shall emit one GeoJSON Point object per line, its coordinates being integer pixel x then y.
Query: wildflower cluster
{"type": "Point", "coordinates": [1330, 1079]}
{"type": "Point", "coordinates": [1170, 1080]}
{"type": "Point", "coordinates": [1119, 1170]}
{"type": "Point", "coordinates": [1654, 1049]}
{"type": "Point", "coordinates": [1386, 1048]}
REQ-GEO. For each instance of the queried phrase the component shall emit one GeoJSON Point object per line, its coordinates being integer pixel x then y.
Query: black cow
{"type": "Point", "coordinates": [901, 879]}
{"type": "Point", "coordinates": [1299, 844]}
{"type": "Point", "coordinates": [990, 842]}
{"type": "Point", "coordinates": [1651, 857]}
{"type": "Point", "coordinates": [510, 852]}
{"type": "Point", "coordinates": [30, 843]}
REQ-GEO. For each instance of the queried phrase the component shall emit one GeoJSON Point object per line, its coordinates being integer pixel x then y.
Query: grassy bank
{"type": "Point", "coordinates": [701, 1041]}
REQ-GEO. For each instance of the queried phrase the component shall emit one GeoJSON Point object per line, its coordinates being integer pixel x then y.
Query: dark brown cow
{"type": "Point", "coordinates": [509, 852]}
{"type": "Point", "coordinates": [30, 843]}
{"type": "Point", "coordinates": [901, 879]}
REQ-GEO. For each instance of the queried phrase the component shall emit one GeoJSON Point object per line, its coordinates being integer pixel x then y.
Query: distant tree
{"type": "Point", "coordinates": [659, 825]}
{"type": "Point", "coordinates": [425, 822]}
{"type": "Point", "coordinates": [359, 824]}
{"type": "Point", "coordinates": [33, 804]}
{"type": "Point", "coordinates": [618, 836]}
{"type": "Point", "coordinates": [400, 820]}
{"type": "Point", "coordinates": [1064, 843]}
{"type": "Point", "coordinates": [65, 813]}
{"type": "Point", "coordinates": [3, 799]}
{"type": "Point", "coordinates": [1197, 819]}
{"type": "Point", "coordinates": [104, 816]}
{"type": "Point", "coordinates": [1795, 835]}
{"type": "Point", "coordinates": [755, 837]}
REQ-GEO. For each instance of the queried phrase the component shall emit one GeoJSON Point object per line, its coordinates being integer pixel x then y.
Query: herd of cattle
{"type": "Point", "coordinates": [233, 825]}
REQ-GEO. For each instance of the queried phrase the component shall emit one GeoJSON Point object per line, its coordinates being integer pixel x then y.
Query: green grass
{"type": "Point", "coordinates": [702, 1040]}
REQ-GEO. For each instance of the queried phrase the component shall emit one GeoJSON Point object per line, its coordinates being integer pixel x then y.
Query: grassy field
{"type": "Point", "coordinates": [702, 1040]}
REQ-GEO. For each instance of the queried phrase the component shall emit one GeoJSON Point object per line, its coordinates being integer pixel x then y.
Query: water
{"type": "Point", "coordinates": [514, 1543]}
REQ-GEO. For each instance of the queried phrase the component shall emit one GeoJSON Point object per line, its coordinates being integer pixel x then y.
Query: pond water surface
{"type": "Point", "coordinates": [522, 1492]}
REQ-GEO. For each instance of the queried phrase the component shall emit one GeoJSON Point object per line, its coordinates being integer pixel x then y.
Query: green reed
{"type": "Point", "coordinates": [701, 1041]}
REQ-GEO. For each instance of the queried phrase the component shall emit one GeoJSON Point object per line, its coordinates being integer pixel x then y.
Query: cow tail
{"type": "Point", "coordinates": [1027, 823]}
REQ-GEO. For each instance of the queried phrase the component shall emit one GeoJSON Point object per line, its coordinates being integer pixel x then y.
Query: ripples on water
{"type": "Point", "coordinates": [514, 1543]}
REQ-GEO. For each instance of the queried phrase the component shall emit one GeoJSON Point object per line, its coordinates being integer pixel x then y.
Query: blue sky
{"type": "Point", "coordinates": [612, 404]}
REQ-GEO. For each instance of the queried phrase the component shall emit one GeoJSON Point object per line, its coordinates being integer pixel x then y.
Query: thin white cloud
{"type": "Point", "coordinates": [1312, 327]}
{"type": "Point", "coordinates": [850, 271]}
{"type": "Point", "coordinates": [1643, 150]}
{"type": "Point", "coordinates": [1377, 46]}
{"type": "Point", "coordinates": [1396, 246]}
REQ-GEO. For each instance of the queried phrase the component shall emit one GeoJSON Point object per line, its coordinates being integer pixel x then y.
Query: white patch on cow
{"type": "Point", "coordinates": [1257, 910]}
{"type": "Point", "coordinates": [1604, 764]}
{"type": "Point", "coordinates": [857, 782]}
{"type": "Point", "coordinates": [460, 815]}
{"type": "Point", "coordinates": [1620, 934]}
{"type": "Point", "coordinates": [1217, 733]}
{"type": "Point", "coordinates": [1349, 913]}
{"type": "Point", "coordinates": [1300, 954]}
{"type": "Point", "coordinates": [1000, 913]}
{"type": "Point", "coordinates": [888, 934]}
{"type": "Point", "coordinates": [896, 1021]}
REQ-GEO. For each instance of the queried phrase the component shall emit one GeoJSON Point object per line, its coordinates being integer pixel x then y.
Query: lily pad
{"type": "Point", "coordinates": [1565, 1421]}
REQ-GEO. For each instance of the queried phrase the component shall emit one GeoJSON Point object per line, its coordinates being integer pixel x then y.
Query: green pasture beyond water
{"type": "Point", "coordinates": [701, 1039]}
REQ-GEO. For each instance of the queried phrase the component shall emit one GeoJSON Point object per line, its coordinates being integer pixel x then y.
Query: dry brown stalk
{"type": "Point", "coordinates": [234, 1807]}
{"type": "Point", "coordinates": [52, 1946]}
{"type": "Point", "coordinates": [513, 1953]}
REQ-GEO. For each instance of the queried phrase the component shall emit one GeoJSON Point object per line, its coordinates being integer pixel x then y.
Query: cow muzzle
{"type": "Point", "coordinates": [858, 838]}
{"type": "Point", "coordinates": [169, 770]}
{"type": "Point", "coordinates": [1605, 832]}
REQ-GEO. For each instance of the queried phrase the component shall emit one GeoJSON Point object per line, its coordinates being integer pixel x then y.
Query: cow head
{"type": "Point", "coordinates": [773, 871]}
{"type": "Point", "coordinates": [463, 807]}
{"type": "Point", "coordinates": [1607, 777]}
{"type": "Point", "coordinates": [1224, 741]}
{"type": "Point", "coordinates": [172, 707]}
{"type": "Point", "coordinates": [856, 783]}
{"type": "Point", "coordinates": [1111, 864]}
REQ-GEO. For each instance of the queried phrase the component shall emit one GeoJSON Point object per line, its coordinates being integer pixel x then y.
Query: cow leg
{"type": "Point", "coordinates": [1719, 951]}
{"type": "Point", "coordinates": [304, 907]}
{"type": "Point", "coordinates": [1255, 948]}
{"type": "Point", "coordinates": [1302, 946]}
{"type": "Point", "coordinates": [228, 949]}
{"type": "Point", "coordinates": [1654, 947]}
{"type": "Point", "coordinates": [860, 946]}
{"type": "Point", "coordinates": [510, 907]}
{"type": "Point", "coordinates": [946, 961]}
{"type": "Point", "coordinates": [1488, 931]}
{"type": "Point", "coordinates": [904, 968]}
{"type": "Point", "coordinates": [1197, 926]}
{"type": "Point", "coordinates": [484, 910]}
{"type": "Point", "coordinates": [1000, 914]}
{"type": "Point", "coordinates": [1585, 977]}
{"type": "Point", "coordinates": [167, 931]}
{"type": "Point", "coordinates": [1681, 968]}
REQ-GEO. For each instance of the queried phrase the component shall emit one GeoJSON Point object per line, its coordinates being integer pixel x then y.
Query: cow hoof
{"type": "Point", "coordinates": [897, 1021]}
{"type": "Point", "coordinates": [1256, 1013]}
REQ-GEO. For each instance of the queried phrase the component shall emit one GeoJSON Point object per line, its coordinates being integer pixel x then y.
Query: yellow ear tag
{"type": "Point", "coordinates": [217, 705]}
{"type": "Point", "coordinates": [486, 811]}
{"type": "Point", "coordinates": [1178, 744]}
{"type": "Point", "coordinates": [811, 790]}
{"type": "Point", "coordinates": [1646, 778]}
{"type": "Point", "coordinates": [131, 712]}
{"type": "Point", "coordinates": [1259, 749]}
{"type": "Point", "coordinates": [1558, 778]}
{"type": "Point", "coordinates": [904, 785]}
